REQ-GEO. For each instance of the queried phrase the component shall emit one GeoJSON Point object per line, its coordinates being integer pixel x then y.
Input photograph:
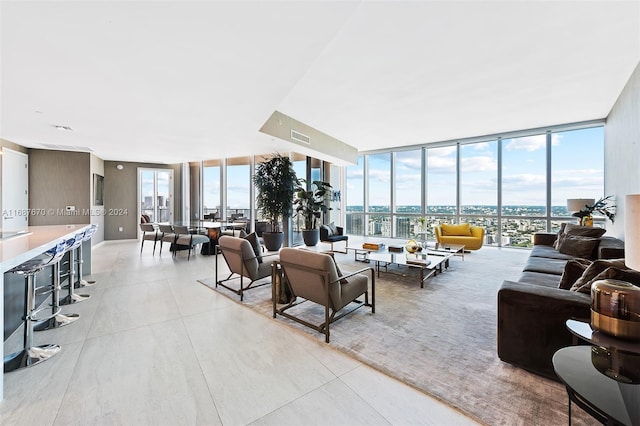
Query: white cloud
{"type": "Point", "coordinates": [478, 164]}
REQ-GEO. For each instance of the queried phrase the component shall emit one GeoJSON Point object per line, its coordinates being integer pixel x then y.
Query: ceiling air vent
{"type": "Point", "coordinates": [67, 147]}
{"type": "Point", "coordinates": [297, 136]}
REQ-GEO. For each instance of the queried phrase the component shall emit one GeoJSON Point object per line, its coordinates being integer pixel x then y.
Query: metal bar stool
{"type": "Point", "coordinates": [87, 236]}
{"type": "Point", "coordinates": [57, 319]}
{"type": "Point", "coordinates": [72, 245]}
{"type": "Point", "coordinates": [32, 355]}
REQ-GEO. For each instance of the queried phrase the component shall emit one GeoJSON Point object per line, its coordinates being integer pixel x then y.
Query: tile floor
{"type": "Point", "coordinates": [154, 347]}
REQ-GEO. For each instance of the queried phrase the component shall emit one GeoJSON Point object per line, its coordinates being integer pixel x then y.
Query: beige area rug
{"type": "Point", "coordinates": [441, 339]}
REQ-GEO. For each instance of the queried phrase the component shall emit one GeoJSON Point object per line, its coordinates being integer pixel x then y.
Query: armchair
{"type": "Point", "coordinates": [314, 277]}
{"type": "Point", "coordinates": [471, 236]}
{"type": "Point", "coordinates": [332, 234]}
{"type": "Point", "coordinates": [243, 261]}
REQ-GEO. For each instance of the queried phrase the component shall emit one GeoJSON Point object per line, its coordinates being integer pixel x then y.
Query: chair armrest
{"type": "Point", "coordinates": [544, 238]}
{"type": "Point", "coordinates": [477, 232]}
{"type": "Point", "coordinates": [350, 274]}
{"type": "Point", "coordinates": [340, 230]}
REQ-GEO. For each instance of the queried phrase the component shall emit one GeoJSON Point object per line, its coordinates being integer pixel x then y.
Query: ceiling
{"type": "Point", "coordinates": [169, 82]}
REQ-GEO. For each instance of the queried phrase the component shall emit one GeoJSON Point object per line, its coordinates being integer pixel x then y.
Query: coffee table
{"type": "Point", "coordinates": [455, 249]}
{"type": "Point", "coordinates": [434, 262]}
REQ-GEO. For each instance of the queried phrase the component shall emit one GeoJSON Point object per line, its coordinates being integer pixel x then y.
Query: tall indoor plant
{"type": "Point", "coordinates": [275, 180]}
{"type": "Point", "coordinates": [311, 202]}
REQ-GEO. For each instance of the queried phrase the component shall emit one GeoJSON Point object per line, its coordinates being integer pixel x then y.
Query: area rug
{"type": "Point", "coordinates": [441, 338]}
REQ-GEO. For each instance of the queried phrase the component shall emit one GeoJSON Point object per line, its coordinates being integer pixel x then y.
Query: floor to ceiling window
{"type": "Point", "coordinates": [407, 190]}
{"type": "Point", "coordinates": [378, 218]}
{"type": "Point", "coordinates": [354, 198]}
{"type": "Point", "coordinates": [155, 191]}
{"type": "Point", "coordinates": [513, 186]}
{"type": "Point", "coordinates": [441, 187]}
{"type": "Point", "coordinates": [577, 170]}
{"type": "Point", "coordinates": [524, 188]}
{"type": "Point", "coordinates": [479, 187]}
{"type": "Point", "coordinates": [238, 187]}
{"type": "Point", "coordinates": [211, 188]}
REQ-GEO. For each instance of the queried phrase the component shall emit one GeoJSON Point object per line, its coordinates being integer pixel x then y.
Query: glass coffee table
{"type": "Point", "coordinates": [428, 263]}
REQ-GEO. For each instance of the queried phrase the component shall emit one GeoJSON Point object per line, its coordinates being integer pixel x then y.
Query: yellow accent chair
{"type": "Point", "coordinates": [471, 236]}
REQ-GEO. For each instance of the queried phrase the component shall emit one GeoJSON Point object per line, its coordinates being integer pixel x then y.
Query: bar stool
{"type": "Point", "coordinates": [73, 244]}
{"type": "Point", "coordinates": [87, 237]}
{"type": "Point", "coordinates": [32, 355]}
{"type": "Point", "coordinates": [57, 319]}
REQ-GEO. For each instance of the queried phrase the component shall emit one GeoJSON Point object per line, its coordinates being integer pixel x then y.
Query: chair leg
{"type": "Point", "coordinates": [154, 246]}
{"type": "Point", "coordinates": [142, 245]}
{"type": "Point", "coordinates": [189, 255]}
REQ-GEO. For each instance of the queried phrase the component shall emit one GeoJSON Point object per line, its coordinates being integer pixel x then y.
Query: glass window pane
{"type": "Point", "coordinates": [524, 176]}
{"type": "Point", "coordinates": [238, 181]}
{"type": "Point", "coordinates": [519, 232]}
{"type": "Point", "coordinates": [211, 190]}
{"type": "Point", "coordinates": [354, 198]}
{"type": "Point", "coordinates": [379, 181]}
{"type": "Point", "coordinates": [408, 182]}
{"type": "Point", "coordinates": [577, 167]}
{"type": "Point", "coordinates": [147, 190]}
{"type": "Point", "coordinates": [379, 225]}
{"type": "Point", "coordinates": [479, 178]}
{"type": "Point", "coordinates": [441, 180]}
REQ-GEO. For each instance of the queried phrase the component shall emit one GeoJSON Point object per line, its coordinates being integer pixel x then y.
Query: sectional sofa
{"type": "Point", "coordinates": [532, 311]}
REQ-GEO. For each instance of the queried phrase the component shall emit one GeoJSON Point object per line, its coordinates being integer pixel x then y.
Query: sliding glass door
{"type": "Point", "coordinates": [155, 191]}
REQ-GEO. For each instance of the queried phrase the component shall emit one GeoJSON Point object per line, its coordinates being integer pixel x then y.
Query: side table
{"type": "Point", "coordinates": [608, 396]}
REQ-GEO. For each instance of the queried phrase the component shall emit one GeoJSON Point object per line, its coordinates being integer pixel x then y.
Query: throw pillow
{"type": "Point", "coordinates": [627, 275]}
{"type": "Point", "coordinates": [327, 229]}
{"type": "Point", "coordinates": [255, 244]}
{"type": "Point", "coordinates": [333, 228]}
{"type": "Point", "coordinates": [338, 271]}
{"type": "Point", "coordinates": [573, 270]}
{"type": "Point", "coordinates": [584, 231]}
{"type": "Point", "coordinates": [577, 246]}
{"type": "Point", "coordinates": [464, 229]}
{"type": "Point", "coordinates": [583, 284]}
{"type": "Point", "coordinates": [560, 235]}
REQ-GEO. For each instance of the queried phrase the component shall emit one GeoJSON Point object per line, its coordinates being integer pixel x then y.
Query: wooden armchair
{"type": "Point", "coordinates": [245, 260]}
{"type": "Point", "coordinates": [314, 277]}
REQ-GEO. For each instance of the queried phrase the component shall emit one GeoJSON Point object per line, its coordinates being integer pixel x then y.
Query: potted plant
{"type": "Point", "coordinates": [311, 202]}
{"type": "Point", "coordinates": [275, 180]}
{"type": "Point", "coordinates": [601, 206]}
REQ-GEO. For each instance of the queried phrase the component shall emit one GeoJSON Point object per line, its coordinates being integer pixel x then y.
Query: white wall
{"type": "Point", "coordinates": [622, 150]}
{"type": "Point", "coordinates": [97, 217]}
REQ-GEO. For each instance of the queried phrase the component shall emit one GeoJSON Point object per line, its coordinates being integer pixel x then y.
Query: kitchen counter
{"type": "Point", "coordinates": [18, 248]}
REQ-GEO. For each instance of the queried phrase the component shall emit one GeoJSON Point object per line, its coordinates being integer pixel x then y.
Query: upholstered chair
{"type": "Point", "coordinates": [315, 277]}
{"type": "Point", "coordinates": [166, 235]}
{"type": "Point", "coordinates": [149, 233]}
{"type": "Point", "coordinates": [245, 261]}
{"type": "Point", "coordinates": [472, 237]}
{"type": "Point", "coordinates": [186, 238]}
{"type": "Point", "coordinates": [332, 234]}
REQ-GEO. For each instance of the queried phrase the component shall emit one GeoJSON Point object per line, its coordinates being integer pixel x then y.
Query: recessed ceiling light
{"type": "Point", "coordinates": [59, 127]}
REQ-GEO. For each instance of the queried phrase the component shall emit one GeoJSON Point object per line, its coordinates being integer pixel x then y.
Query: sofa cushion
{"type": "Point", "coordinates": [560, 234]}
{"type": "Point", "coordinates": [539, 278]}
{"type": "Point", "coordinates": [572, 271]}
{"type": "Point", "coordinates": [578, 230]}
{"type": "Point", "coordinates": [578, 246]}
{"type": "Point", "coordinates": [462, 229]}
{"type": "Point", "coordinates": [546, 266]}
{"type": "Point", "coordinates": [610, 248]}
{"type": "Point", "coordinates": [548, 252]}
{"type": "Point", "coordinates": [583, 284]}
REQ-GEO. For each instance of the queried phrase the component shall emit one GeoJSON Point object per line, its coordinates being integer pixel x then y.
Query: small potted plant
{"type": "Point", "coordinates": [311, 202]}
{"type": "Point", "coordinates": [275, 181]}
{"type": "Point", "coordinates": [601, 206]}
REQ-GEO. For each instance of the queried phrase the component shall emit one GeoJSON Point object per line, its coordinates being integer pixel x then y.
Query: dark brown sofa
{"type": "Point", "coordinates": [532, 312]}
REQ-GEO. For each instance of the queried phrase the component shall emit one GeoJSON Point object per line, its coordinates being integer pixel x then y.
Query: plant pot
{"type": "Point", "coordinates": [311, 236]}
{"type": "Point", "coordinates": [273, 240]}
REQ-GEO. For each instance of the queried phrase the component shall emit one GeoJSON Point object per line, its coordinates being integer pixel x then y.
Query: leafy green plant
{"type": "Point", "coordinates": [311, 203]}
{"type": "Point", "coordinates": [275, 180]}
{"type": "Point", "coordinates": [601, 206]}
